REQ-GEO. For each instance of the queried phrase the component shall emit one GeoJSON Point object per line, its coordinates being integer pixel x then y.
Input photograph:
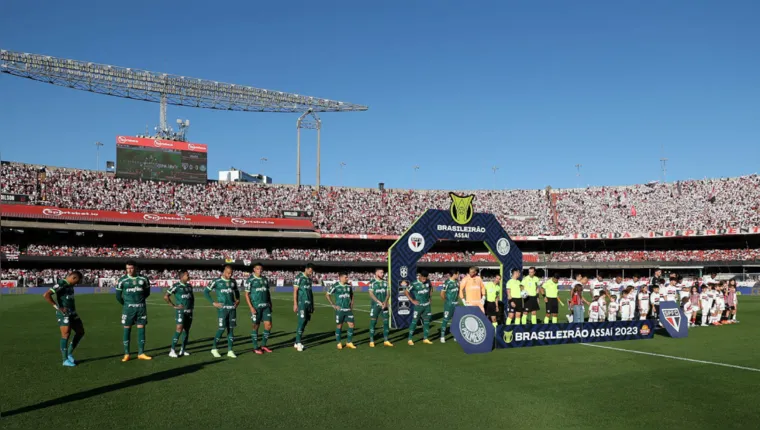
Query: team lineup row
{"type": "Point", "coordinates": [132, 291]}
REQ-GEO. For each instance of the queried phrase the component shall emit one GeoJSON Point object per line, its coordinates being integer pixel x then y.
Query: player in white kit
{"type": "Point", "coordinates": [602, 307]}
{"type": "Point", "coordinates": [643, 300]}
{"type": "Point", "coordinates": [705, 299]}
{"type": "Point", "coordinates": [593, 310]}
{"type": "Point", "coordinates": [597, 286]}
{"type": "Point", "coordinates": [625, 305]}
{"type": "Point", "coordinates": [671, 290]}
{"type": "Point", "coordinates": [654, 299]}
{"type": "Point", "coordinates": [688, 309]}
{"type": "Point", "coordinates": [612, 310]}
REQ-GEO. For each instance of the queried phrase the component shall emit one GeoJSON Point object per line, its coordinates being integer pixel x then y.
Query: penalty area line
{"type": "Point", "coordinates": [751, 369]}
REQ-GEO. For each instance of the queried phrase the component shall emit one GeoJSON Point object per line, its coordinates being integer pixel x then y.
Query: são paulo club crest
{"type": "Point", "coordinates": [416, 242]}
{"type": "Point", "coordinates": [672, 317]}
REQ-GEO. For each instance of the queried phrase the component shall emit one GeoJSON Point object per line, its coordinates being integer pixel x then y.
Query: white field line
{"type": "Point", "coordinates": [752, 369]}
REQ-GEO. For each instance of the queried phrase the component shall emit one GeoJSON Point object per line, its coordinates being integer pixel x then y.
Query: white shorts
{"type": "Point", "coordinates": [611, 317]}
{"type": "Point", "coordinates": [625, 316]}
{"type": "Point", "coordinates": [593, 318]}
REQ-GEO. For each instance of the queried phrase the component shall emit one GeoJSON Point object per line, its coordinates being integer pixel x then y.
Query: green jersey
{"type": "Point", "coordinates": [183, 295]}
{"type": "Point", "coordinates": [451, 291]}
{"type": "Point", "coordinates": [227, 292]}
{"type": "Point", "coordinates": [342, 295]}
{"type": "Point", "coordinates": [134, 290]}
{"type": "Point", "coordinates": [305, 295]}
{"type": "Point", "coordinates": [531, 285]}
{"type": "Point", "coordinates": [421, 292]}
{"type": "Point", "coordinates": [64, 295]}
{"type": "Point", "coordinates": [379, 287]}
{"type": "Point", "coordinates": [258, 290]}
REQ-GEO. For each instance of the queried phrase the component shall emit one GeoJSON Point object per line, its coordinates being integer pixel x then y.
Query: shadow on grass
{"type": "Point", "coordinates": [154, 377]}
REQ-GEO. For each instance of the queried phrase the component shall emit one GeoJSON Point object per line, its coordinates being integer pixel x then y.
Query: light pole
{"type": "Point", "coordinates": [416, 167]}
{"type": "Point", "coordinates": [97, 155]}
{"type": "Point", "coordinates": [494, 168]}
{"type": "Point", "coordinates": [578, 175]}
{"type": "Point", "coordinates": [342, 165]}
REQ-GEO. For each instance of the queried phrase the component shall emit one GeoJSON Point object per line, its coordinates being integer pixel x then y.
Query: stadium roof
{"type": "Point", "coordinates": [161, 87]}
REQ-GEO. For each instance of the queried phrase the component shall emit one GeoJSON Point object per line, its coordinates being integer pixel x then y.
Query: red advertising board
{"type": "Point", "coordinates": [160, 143]}
{"type": "Point", "coordinates": [48, 212]}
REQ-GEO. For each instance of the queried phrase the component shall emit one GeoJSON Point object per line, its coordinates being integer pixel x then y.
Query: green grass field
{"type": "Point", "coordinates": [424, 386]}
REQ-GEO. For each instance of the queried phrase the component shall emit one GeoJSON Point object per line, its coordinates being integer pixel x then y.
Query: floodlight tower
{"type": "Point", "coordinates": [166, 89]}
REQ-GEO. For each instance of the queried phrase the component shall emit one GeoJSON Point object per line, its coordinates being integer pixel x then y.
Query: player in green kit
{"type": "Point", "coordinates": [378, 294]}
{"type": "Point", "coordinates": [260, 303]}
{"type": "Point", "coordinates": [132, 290]}
{"type": "Point", "coordinates": [421, 302]}
{"type": "Point", "coordinates": [227, 301]}
{"type": "Point", "coordinates": [530, 284]}
{"type": "Point", "coordinates": [183, 311]}
{"type": "Point", "coordinates": [450, 295]}
{"type": "Point", "coordinates": [341, 298]}
{"type": "Point", "coordinates": [66, 313]}
{"type": "Point", "coordinates": [303, 302]}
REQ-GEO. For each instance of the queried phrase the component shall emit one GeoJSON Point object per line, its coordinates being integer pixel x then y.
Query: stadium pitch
{"type": "Point", "coordinates": [709, 379]}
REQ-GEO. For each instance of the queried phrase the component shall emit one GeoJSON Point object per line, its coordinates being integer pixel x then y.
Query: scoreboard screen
{"type": "Point", "coordinates": [161, 160]}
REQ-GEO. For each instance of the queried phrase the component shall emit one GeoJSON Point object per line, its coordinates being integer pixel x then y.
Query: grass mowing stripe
{"type": "Point", "coordinates": [673, 357]}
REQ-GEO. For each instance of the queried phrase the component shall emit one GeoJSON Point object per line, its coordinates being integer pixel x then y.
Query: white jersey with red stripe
{"type": "Point", "coordinates": [705, 300]}
{"type": "Point", "coordinates": [654, 298]}
{"type": "Point", "coordinates": [670, 293]}
{"type": "Point", "coordinates": [612, 311]}
{"type": "Point", "coordinates": [643, 301]}
{"type": "Point", "coordinates": [688, 309]}
{"type": "Point", "coordinates": [593, 312]}
{"type": "Point", "coordinates": [626, 311]}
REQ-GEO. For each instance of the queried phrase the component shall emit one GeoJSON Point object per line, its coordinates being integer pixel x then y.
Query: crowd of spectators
{"type": "Point", "coordinates": [252, 254]}
{"type": "Point", "coordinates": [669, 256]}
{"type": "Point", "coordinates": [35, 277]}
{"type": "Point", "coordinates": [298, 254]}
{"type": "Point", "coordinates": [693, 204]}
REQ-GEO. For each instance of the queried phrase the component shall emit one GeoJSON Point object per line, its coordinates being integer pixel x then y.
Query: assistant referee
{"type": "Point", "coordinates": [549, 289]}
{"type": "Point", "coordinates": [514, 298]}
{"type": "Point", "coordinates": [530, 283]}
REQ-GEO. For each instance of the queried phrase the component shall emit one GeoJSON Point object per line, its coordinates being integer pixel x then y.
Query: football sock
{"type": "Point", "coordinates": [230, 339]}
{"type": "Point", "coordinates": [64, 349]}
{"type": "Point", "coordinates": [265, 338]}
{"type": "Point", "coordinates": [175, 338]}
{"type": "Point", "coordinates": [350, 334]}
{"type": "Point", "coordinates": [140, 340]}
{"type": "Point", "coordinates": [255, 339]}
{"type": "Point", "coordinates": [184, 339]}
{"type": "Point", "coordinates": [337, 335]}
{"type": "Point", "coordinates": [218, 336]}
{"type": "Point", "coordinates": [386, 328]}
{"type": "Point", "coordinates": [554, 320]}
{"type": "Point", "coordinates": [532, 319]}
{"type": "Point", "coordinates": [75, 342]}
{"type": "Point", "coordinates": [125, 339]}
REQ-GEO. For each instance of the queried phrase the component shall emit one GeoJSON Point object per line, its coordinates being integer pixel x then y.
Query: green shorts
{"type": "Point", "coordinates": [184, 317]}
{"type": "Point", "coordinates": [262, 315]}
{"type": "Point", "coordinates": [422, 311]}
{"type": "Point", "coordinates": [376, 310]}
{"type": "Point", "coordinates": [342, 316]}
{"type": "Point", "coordinates": [66, 320]}
{"type": "Point", "coordinates": [448, 309]}
{"type": "Point", "coordinates": [134, 315]}
{"type": "Point", "coordinates": [227, 318]}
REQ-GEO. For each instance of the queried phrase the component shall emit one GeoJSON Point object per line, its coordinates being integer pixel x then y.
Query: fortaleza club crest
{"type": "Point", "coordinates": [472, 329]}
{"type": "Point", "coordinates": [673, 317]}
{"type": "Point", "coordinates": [461, 208]}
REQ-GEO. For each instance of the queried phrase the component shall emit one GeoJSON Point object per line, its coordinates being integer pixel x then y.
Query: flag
{"type": "Point", "coordinates": [633, 210]}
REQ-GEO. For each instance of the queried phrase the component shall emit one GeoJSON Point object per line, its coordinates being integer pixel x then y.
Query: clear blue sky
{"type": "Point", "coordinates": [533, 87]}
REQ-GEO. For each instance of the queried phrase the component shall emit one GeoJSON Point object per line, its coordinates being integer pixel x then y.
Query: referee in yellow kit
{"type": "Point", "coordinates": [549, 290]}
{"type": "Point", "coordinates": [530, 283]}
{"type": "Point", "coordinates": [493, 297]}
{"type": "Point", "coordinates": [514, 298]}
